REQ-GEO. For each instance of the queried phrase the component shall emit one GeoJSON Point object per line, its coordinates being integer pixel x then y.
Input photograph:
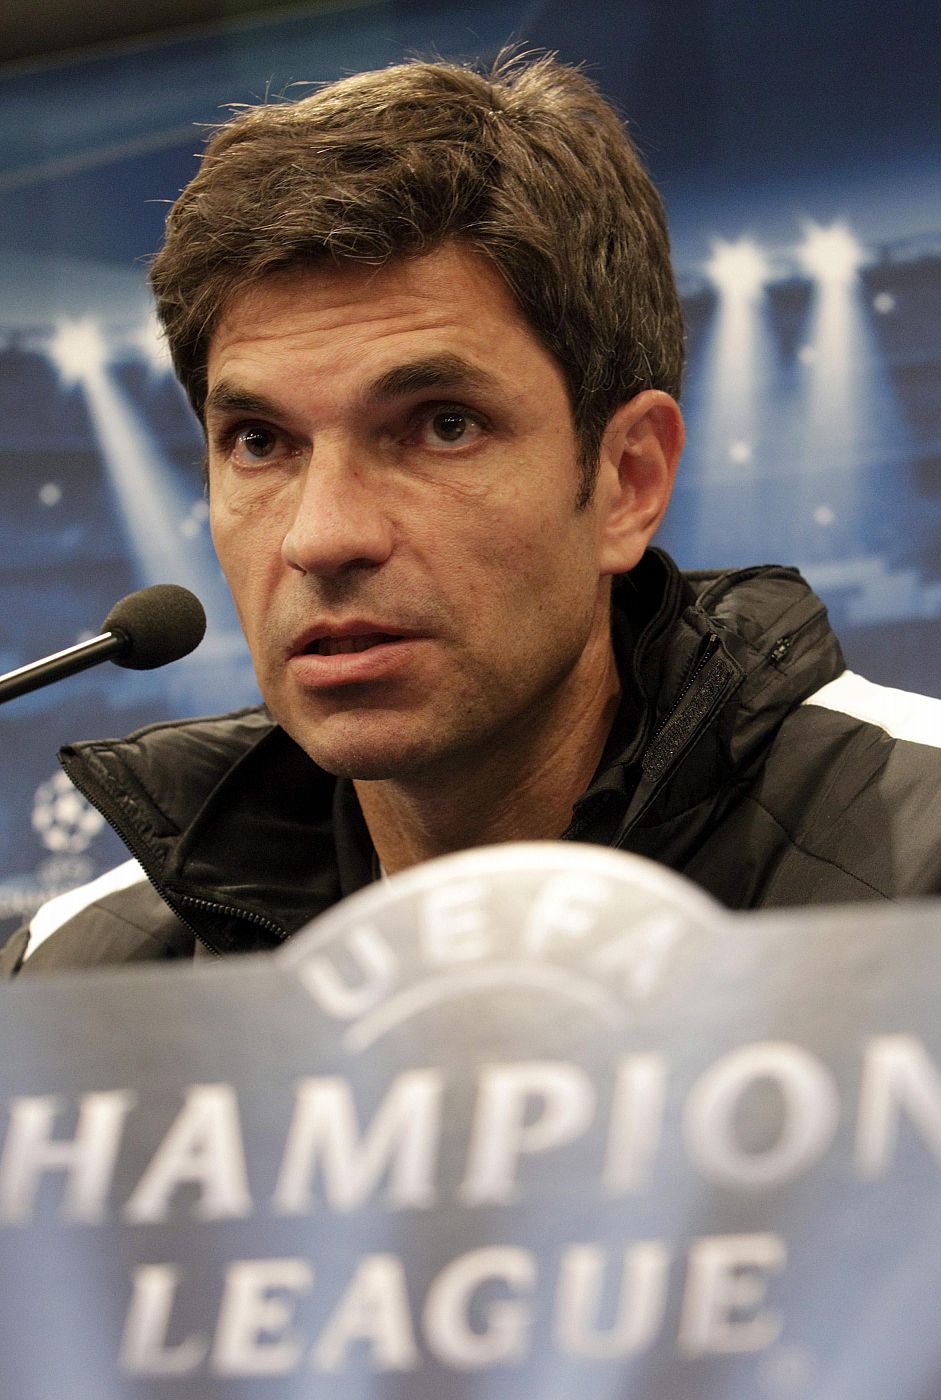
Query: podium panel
{"type": "Point", "coordinates": [536, 1121]}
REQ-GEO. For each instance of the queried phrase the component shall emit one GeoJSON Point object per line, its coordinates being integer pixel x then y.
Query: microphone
{"type": "Point", "coordinates": [148, 628]}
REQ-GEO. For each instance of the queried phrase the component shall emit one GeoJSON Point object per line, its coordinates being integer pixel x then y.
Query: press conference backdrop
{"type": "Point", "coordinates": [797, 149]}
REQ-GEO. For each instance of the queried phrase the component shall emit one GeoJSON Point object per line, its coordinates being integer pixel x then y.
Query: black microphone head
{"type": "Point", "coordinates": [160, 624]}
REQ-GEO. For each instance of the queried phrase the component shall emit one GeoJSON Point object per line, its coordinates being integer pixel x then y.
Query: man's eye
{"type": "Point", "coordinates": [256, 443]}
{"type": "Point", "coordinates": [448, 426]}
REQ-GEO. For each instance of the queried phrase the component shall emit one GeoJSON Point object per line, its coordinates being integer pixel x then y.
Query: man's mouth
{"type": "Point", "coordinates": [338, 646]}
{"type": "Point", "coordinates": [352, 652]}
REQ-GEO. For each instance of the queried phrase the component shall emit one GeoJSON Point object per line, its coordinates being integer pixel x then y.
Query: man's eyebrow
{"type": "Point", "coordinates": [444, 371]}
{"type": "Point", "coordinates": [226, 397]}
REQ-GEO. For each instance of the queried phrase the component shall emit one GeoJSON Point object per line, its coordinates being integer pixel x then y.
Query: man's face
{"type": "Point", "coordinates": [393, 476]}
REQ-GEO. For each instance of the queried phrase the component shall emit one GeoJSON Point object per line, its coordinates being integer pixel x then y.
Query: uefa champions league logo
{"type": "Point", "coordinates": [573, 925]}
{"type": "Point", "coordinates": [65, 821]}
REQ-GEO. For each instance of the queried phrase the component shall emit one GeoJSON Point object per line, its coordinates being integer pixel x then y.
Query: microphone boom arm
{"type": "Point", "coordinates": [61, 664]}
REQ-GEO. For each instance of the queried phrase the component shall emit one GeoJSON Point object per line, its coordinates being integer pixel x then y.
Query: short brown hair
{"type": "Point", "coordinates": [529, 167]}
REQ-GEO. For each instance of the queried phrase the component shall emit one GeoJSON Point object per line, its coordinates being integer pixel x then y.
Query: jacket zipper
{"type": "Point", "coordinates": [708, 652]}
{"type": "Point", "coordinates": [687, 715]}
{"type": "Point", "coordinates": [187, 899]}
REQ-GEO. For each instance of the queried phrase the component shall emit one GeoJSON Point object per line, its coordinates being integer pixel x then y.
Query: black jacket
{"type": "Point", "coordinates": [715, 766]}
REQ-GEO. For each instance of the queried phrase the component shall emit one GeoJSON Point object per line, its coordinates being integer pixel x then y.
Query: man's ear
{"type": "Point", "coordinates": [639, 454]}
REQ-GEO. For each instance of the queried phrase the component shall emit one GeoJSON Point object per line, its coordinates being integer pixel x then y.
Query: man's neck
{"type": "Point", "coordinates": [522, 789]}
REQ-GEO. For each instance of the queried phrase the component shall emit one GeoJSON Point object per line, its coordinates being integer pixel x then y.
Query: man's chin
{"type": "Point", "coordinates": [366, 767]}
{"type": "Point", "coordinates": [369, 758]}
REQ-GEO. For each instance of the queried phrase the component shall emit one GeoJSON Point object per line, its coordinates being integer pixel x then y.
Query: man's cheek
{"type": "Point", "coordinates": [250, 589]}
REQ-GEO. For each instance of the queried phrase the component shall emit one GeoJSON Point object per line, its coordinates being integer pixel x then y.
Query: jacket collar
{"type": "Point", "coordinates": [715, 661]}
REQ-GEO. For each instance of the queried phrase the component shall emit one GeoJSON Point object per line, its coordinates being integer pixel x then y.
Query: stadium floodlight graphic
{"type": "Point", "coordinates": [836, 361]}
{"type": "Point", "coordinates": [833, 256]}
{"type": "Point", "coordinates": [156, 510]}
{"type": "Point", "coordinates": [799, 448]}
{"type": "Point", "coordinates": [739, 270]}
{"type": "Point", "coordinates": [729, 400]}
{"type": "Point", "coordinates": [852, 436]}
{"type": "Point", "coordinates": [78, 351]}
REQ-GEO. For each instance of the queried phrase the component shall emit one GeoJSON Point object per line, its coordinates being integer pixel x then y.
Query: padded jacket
{"type": "Point", "coordinates": [743, 755]}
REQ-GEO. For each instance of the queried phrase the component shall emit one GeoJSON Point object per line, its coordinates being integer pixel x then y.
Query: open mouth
{"type": "Point", "coordinates": [339, 646]}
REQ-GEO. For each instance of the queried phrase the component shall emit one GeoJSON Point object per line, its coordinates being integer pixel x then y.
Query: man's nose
{"type": "Point", "coordinates": [339, 518]}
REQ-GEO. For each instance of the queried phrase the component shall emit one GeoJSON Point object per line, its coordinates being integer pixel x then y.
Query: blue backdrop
{"type": "Point", "coordinates": [797, 148]}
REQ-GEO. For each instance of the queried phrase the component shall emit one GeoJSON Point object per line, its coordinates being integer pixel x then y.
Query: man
{"type": "Point", "coordinates": [428, 321]}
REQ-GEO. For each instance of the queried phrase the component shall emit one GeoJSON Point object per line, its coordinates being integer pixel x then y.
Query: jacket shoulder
{"type": "Point", "coordinates": [854, 780]}
{"type": "Point", "coordinates": [117, 918]}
